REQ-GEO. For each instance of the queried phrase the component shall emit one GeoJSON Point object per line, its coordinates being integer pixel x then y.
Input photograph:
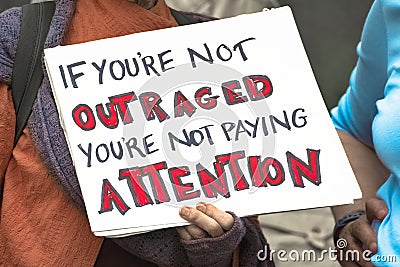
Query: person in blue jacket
{"type": "Point", "coordinates": [368, 122]}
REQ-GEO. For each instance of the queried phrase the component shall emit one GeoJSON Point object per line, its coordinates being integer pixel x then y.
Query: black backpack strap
{"type": "Point", "coordinates": [182, 18]}
{"type": "Point", "coordinates": [28, 73]}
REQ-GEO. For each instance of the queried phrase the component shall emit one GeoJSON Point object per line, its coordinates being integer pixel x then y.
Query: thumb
{"type": "Point", "coordinates": [376, 209]}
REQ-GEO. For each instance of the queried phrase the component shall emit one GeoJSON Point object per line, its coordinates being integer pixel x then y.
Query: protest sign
{"type": "Point", "coordinates": [226, 112]}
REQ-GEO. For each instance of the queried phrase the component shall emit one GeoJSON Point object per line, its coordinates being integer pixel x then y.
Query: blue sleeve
{"type": "Point", "coordinates": [10, 21]}
{"type": "Point", "coordinates": [357, 107]}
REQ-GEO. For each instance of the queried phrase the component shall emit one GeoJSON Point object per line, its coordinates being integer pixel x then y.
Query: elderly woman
{"type": "Point", "coordinates": [43, 222]}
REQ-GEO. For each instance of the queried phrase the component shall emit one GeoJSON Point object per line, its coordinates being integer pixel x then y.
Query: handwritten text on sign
{"type": "Point", "coordinates": [234, 118]}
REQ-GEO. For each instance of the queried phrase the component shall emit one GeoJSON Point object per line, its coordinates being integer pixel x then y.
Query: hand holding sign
{"type": "Point", "coordinates": [206, 221]}
{"type": "Point", "coordinates": [235, 120]}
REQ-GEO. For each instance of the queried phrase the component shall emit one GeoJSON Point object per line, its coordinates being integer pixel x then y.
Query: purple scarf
{"type": "Point", "coordinates": [44, 124]}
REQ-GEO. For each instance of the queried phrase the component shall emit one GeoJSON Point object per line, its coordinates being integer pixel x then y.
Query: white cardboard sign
{"type": "Point", "coordinates": [226, 112]}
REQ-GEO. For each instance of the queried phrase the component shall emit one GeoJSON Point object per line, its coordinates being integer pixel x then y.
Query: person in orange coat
{"type": "Point", "coordinates": [43, 220]}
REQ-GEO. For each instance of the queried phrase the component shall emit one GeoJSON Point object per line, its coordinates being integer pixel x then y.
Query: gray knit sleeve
{"type": "Point", "coordinates": [10, 23]}
{"type": "Point", "coordinates": [245, 234]}
{"type": "Point", "coordinates": [216, 251]}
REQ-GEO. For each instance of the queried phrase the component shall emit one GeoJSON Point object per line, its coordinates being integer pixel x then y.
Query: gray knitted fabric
{"type": "Point", "coordinates": [162, 247]}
